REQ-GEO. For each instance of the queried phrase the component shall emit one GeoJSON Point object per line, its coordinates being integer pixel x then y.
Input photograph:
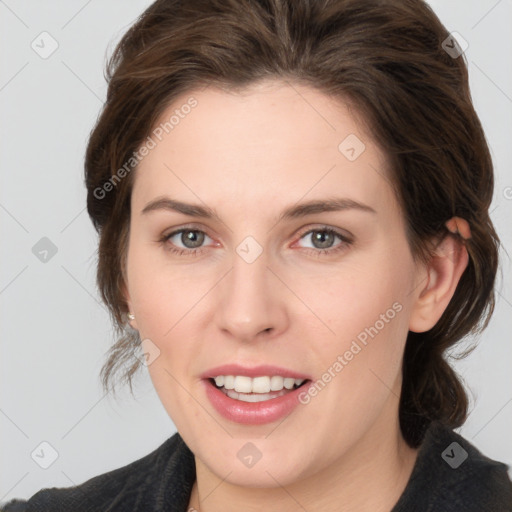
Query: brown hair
{"type": "Point", "coordinates": [384, 56]}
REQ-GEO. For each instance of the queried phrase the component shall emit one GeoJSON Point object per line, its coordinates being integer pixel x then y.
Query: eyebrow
{"type": "Point", "coordinates": [292, 212]}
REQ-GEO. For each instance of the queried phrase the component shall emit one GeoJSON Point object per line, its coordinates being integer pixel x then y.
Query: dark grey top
{"type": "Point", "coordinates": [450, 475]}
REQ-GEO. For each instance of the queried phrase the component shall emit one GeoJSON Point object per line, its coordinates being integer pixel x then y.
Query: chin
{"type": "Point", "coordinates": [271, 470]}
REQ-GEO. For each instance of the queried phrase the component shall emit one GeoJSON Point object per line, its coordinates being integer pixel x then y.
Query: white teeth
{"type": "Point", "coordinates": [276, 383]}
{"type": "Point", "coordinates": [288, 383]}
{"type": "Point", "coordinates": [260, 385]}
{"type": "Point", "coordinates": [255, 397]}
{"type": "Point", "coordinates": [244, 384]}
{"type": "Point", "coordinates": [229, 381]}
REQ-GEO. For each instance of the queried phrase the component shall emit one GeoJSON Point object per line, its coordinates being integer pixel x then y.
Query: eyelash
{"type": "Point", "coordinates": [345, 241]}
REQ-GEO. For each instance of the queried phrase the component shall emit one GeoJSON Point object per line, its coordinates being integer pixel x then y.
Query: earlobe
{"type": "Point", "coordinates": [131, 320]}
{"type": "Point", "coordinates": [443, 274]}
{"type": "Point", "coordinates": [130, 317]}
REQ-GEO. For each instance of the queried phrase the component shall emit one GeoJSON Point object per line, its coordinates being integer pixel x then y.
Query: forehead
{"type": "Point", "coordinates": [271, 140]}
{"type": "Point", "coordinates": [271, 112]}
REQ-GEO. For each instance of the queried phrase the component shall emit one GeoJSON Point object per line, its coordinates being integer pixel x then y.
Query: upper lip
{"type": "Point", "coordinates": [255, 371]}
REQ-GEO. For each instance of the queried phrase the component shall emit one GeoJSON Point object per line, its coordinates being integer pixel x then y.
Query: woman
{"type": "Point", "coordinates": [293, 206]}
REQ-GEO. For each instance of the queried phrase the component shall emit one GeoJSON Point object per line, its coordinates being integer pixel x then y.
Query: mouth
{"type": "Point", "coordinates": [259, 396]}
{"type": "Point", "coordinates": [257, 389]}
{"type": "Point", "coordinates": [255, 395]}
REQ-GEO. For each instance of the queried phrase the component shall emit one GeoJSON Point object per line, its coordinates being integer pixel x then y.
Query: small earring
{"type": "Point", "coordinates": [131, 316]}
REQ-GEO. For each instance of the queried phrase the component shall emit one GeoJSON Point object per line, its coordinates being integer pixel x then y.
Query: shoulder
{"type": "Point", "coordinates": [119, 489]}
{"type": "Point", "coordinates": [451, 474]}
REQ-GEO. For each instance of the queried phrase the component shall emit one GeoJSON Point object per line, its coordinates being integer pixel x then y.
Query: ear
{"type": "Point", "coordinates": [443, 273]}
{"type": "Point", "coordinates": [126, 296]}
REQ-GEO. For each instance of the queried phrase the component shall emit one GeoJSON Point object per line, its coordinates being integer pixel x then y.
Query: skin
{"type": "Point", "coordinates": [249, 156]}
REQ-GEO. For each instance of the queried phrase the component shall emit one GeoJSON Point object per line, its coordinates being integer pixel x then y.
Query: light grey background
{"type": "Point", "coordinates": [54, 329]}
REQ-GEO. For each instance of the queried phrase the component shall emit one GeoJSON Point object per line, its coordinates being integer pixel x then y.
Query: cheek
{"type": "Point", "coordinates": [347, 301]}
{"type": "Point", "coordinates": [167, 302]}
{"type": "Point", "coordinates": [160, 294]}
{"type": "Point", "coordinates": [364, 312]}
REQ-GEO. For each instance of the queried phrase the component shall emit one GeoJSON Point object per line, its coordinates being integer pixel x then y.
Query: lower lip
{"type": "Point", "coordinates": [253, 413]}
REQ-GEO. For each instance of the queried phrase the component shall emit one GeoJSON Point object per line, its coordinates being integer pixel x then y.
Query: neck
{"type": "Point", "coordinates": [371, 476]}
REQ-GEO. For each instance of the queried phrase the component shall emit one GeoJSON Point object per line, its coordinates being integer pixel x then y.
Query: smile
{"type": "Point", "coordinates": [255, 400]}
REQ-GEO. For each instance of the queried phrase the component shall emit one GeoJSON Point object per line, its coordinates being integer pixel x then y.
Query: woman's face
{"type": "Point", "coordinates": [253, 286]}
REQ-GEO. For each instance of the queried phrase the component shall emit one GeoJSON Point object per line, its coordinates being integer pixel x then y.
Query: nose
{"type": "Point", "coordinates": [251, 301]}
